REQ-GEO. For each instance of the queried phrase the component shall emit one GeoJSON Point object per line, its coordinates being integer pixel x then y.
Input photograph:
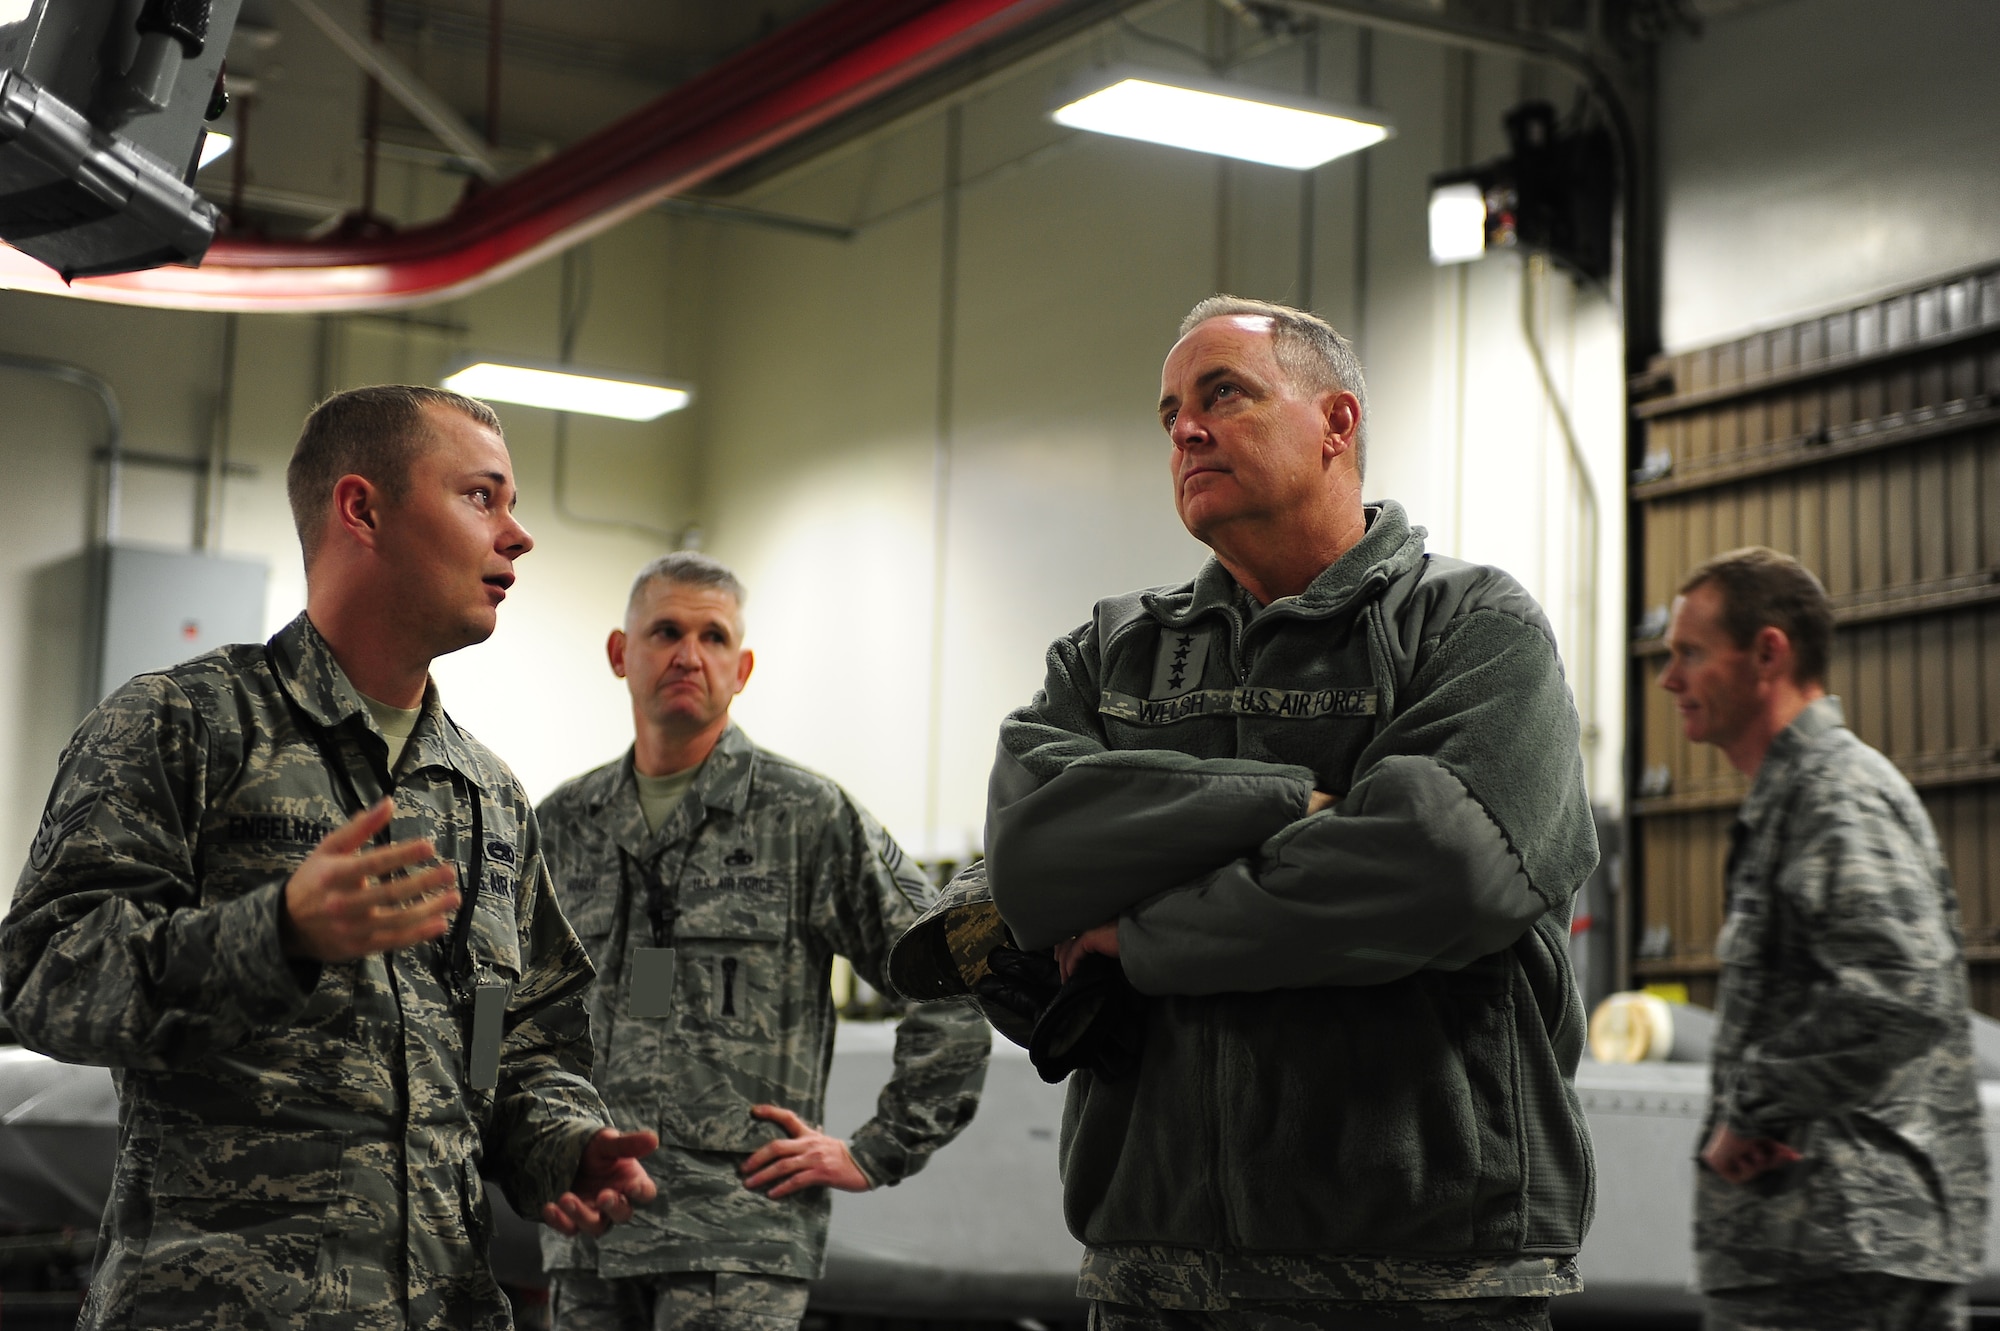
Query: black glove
{"type": "Point", "coordinates": [1017, 988]}
{"type": "Point", "coordinates": [1097, 1021]}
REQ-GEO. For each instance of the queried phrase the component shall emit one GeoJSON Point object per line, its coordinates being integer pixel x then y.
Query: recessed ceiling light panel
{"type": "Point", "coordinates": [1228, 119]}
{"type": "Point", "coordinates": [568, 388]}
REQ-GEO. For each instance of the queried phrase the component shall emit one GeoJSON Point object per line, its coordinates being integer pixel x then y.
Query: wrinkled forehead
{"type": "Point", "coordinates": [1696, 612]}
{"type": "Point", "coordinates": [687, 602]}
{"type": "Point", "coordinates": [1226, 336]}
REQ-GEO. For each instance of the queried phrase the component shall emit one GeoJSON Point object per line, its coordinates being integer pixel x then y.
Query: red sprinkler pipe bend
{"type": "Point", "coordinates": [828, 63]}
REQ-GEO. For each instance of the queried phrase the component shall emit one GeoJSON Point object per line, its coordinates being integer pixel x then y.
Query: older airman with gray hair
{"type": "Point", "coordinates": [714, 882]}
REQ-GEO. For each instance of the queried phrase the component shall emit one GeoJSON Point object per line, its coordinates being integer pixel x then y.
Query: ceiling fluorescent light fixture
{"type": "Point", "coordinates": [567, 388]}
{"type": "Point", "coordinates": [1227, 119]}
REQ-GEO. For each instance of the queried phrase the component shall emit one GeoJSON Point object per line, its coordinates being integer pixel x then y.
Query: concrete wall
{"type": "Point", "coordinates": [1815, 151]}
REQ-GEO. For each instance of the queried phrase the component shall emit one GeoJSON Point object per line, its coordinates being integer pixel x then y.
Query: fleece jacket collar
{"type": "Point", "coordinates": [1390, 548]}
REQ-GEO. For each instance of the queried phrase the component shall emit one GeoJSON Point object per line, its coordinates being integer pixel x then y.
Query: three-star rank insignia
{"type": "Point", "coordinates": [1177, 669]}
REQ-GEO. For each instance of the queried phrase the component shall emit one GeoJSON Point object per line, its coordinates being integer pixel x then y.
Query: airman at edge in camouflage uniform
{"type": "Point", "coordinates": [1843, 1178]}
{"type": "Point", "coordinates": [320, 1045]}
{"type": "Point", "coordinates": [713, 883]}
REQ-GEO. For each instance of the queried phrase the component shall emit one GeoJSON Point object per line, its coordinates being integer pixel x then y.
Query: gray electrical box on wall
{"type": "Point", "coordinates": [158, 607]}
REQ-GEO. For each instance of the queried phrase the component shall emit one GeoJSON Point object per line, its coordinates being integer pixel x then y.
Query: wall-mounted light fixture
{"type": "Point", "coordinates": [567, 388]}
{"type": "Point", "coordinates": [1210, 116]}
{"type": "Point", "coordinates": [1553, 194]}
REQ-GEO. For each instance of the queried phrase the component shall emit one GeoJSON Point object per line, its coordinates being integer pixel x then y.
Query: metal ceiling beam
{"type": "Point", "coordinates": [401, 83]}
{"type": "Point", "coordinates": [831, 62]}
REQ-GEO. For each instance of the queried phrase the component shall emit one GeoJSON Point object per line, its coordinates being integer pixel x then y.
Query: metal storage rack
{"type": "Point", "coordinates": [1867, 443]}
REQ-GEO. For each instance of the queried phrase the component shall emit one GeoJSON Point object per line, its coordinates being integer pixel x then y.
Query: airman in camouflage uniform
{"type": "Point", "coordinates": [753, 878]}
{"type": "Point", "coordinates": [302, 1140]}
{"type": "Point", "coordinates": [1845, 1178]}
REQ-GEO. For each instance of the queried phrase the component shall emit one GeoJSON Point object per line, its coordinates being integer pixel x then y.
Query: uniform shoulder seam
{"type": "Point", "coordinates": [578, 787]}
{"type": "Point", "coordinates": [791, 765]}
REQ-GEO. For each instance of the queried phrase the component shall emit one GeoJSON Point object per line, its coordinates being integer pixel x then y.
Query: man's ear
{"type": "Point", "coordinates": [1771, 650]}
{"type": "Point", "coordinates": [614, 651]}
{"type": "Point", "coordinates": [1342, 413]}
{"type": "Point", "coordinates": [744, 664]}
{"type": "Point", "coordinates": [357, 509]}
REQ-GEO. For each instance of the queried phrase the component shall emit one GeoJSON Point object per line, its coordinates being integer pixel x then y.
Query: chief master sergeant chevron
{"type": "Point", "coordinates": [320, 1044]}
{"type": "Point", "coordinates": [1325, 803]}
{"type": "Point", "coordinates": [714, 882]}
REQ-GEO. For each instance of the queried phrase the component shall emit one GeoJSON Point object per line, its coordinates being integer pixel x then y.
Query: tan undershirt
{"type": "Point", "coordinates": [659, 794]}
{"type": "Point", "coordinates": [396, 724]}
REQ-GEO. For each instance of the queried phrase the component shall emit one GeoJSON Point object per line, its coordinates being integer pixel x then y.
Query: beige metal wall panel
{"type": "Point", "coordinates": [1867, 443]}
{"type": "Point", "coordinates": [1678, 930]}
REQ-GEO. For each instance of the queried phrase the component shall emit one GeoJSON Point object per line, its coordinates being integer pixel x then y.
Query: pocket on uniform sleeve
{"type": "Point", "coordinates": [237, 1218]}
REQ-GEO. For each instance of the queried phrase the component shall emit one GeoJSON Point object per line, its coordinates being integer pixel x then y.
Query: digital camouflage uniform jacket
{"type": "Point", "coordinates": [1355, 1081]}
{"type": "Point", "coordinates": [759, 877]}
{"type": "Point", "coordinates": [1842, 1029]}
{"type": "Point", "coordinates": [298, 1146]}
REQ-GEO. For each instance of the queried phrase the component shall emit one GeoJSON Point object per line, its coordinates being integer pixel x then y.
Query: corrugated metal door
{"type": "Point", "coordinates": [1866, 443]}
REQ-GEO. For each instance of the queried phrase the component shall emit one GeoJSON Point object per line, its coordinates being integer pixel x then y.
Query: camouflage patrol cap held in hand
{"type": "Point", "coordinates": [949, 952]}
{"type": "Point", "coordinates": [943, 955]}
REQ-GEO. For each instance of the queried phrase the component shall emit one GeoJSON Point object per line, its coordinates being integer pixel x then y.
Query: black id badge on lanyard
{"type": "Point", "coordinates": [652, 982]}
{"type": "Point", "coordinates": [489, 1010]}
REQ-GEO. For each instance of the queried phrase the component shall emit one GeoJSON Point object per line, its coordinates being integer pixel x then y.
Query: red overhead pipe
{"type": "Point", "coordinates": [830, 62]}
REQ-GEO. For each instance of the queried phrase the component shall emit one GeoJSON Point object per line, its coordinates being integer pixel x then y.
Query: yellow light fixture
{"type": "Point", "coordinates": [567, 388]}
{"type": "Point", "coordinates": [1227, 119]}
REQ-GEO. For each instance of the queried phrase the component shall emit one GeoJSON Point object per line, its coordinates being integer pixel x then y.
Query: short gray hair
{"type": "Point", "coordinates": [688, 568]}
{"type": "Point", "coordinates": [1308, 350]}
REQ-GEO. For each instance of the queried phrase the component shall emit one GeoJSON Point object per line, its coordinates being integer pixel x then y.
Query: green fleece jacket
{"type": "Point", "coordinates": [1365, 1023]}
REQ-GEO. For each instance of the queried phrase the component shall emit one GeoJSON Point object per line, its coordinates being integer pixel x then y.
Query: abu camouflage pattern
{"type": "Point", "coordinates": [703, 1300]}
{"type": "Point", "coordinates": [1529, 1313]}
{"type": "Point", "coordinates": [1842, 1030]}
{"type": "Point", "coordinates": [756, 880]}
{"type": "Point", "coordinates": [1163, 1276]}
{"type": "Point", "coordinates": [1861, 1301]}
{"type": "Point", "coordinates": [298, 1145]}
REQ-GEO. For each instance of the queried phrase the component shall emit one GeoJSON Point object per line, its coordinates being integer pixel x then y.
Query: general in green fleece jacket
{"type": "Point", "coordinates": [1355, 1082]}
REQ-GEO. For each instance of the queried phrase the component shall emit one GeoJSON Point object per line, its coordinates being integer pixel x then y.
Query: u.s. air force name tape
{"type": "Point", "coordinates": [1279, 704]}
